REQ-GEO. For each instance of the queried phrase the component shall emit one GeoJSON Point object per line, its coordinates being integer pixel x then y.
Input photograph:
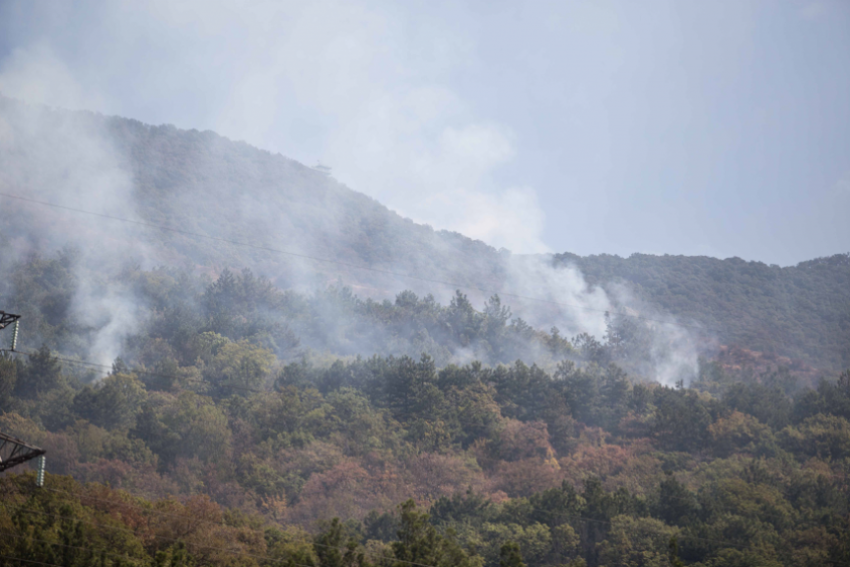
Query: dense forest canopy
{"type": "Point", "coordinates": [241, 459]}
{"type": "Point", "coordinates": [207, 403]}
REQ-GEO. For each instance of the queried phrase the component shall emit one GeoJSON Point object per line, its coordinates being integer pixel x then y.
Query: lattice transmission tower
{"type": "Point", "coordinates": [14, 451]}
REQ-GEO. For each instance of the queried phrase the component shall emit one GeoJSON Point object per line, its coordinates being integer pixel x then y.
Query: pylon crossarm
{"type": "Point", "coordinates": [7, 319]}
{"type": "Point", "coordinates": [14, 452]}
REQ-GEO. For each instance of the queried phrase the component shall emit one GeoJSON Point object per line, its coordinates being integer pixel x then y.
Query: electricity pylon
{"type": "Point", "coordinates": [13, 451]}
{"type": "Point", "coordinates": [7, 319]}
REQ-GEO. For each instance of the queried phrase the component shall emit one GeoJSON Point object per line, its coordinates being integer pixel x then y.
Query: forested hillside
{"type": "Point", "coordinates": [212, 394]}
{"type": "Point", "coordinates": [800, 311]}
{"type": "Point", "coordinates": [241, 460]}
{"type": "Point", "coordinates": [240, 423]}
{"type": "Point", "coordinates": [246, 408]}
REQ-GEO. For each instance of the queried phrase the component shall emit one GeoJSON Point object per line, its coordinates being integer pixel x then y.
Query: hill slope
{"type": "Point", "coordinates": [800, 311]}
{"type": "Point", "coordinates": [291, 215]}
{"type": "Point", "coordinates": [203, 183]}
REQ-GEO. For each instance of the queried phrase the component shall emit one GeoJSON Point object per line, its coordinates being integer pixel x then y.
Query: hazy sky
{"type": "Point", "coordinates": [703, 128]}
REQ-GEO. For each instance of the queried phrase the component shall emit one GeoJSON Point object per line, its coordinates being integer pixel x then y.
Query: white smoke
{"type": "Point", "coordinates": [67, 159]}
{"type": "Point", "coordinates": [357, 86]}
{"type": "Point", "coordinates": [418, 148]}
{"type": "Point", "coordinates": [673, 352]}
{"type": "Point", "coordinates": [556, 297]}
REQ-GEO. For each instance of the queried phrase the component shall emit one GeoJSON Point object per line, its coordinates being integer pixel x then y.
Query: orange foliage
{"type": "Point", "coordinates": [64, 455]}
{"type": "Point", "coordinates": [524, 440]}
{"type": "Point", "coordinates": [629, 466]}
{"type": "Point", "coordinates": [590, 460]}
{"type": "Point", "coordinates": [345, 491]}
{"type": "Point", "coordinates": [432, 476]}
{"type": "Point", "coordinates": [523, 478]}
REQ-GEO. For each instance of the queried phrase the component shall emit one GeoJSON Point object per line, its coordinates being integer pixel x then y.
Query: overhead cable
{"type": "Point", "coordinates": [453, 285]}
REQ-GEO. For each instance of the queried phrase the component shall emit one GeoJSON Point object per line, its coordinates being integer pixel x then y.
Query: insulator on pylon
{"type": "Point", "coordinates": [40, 476]}
{"type": "Point", "coordinates": [15, 335]}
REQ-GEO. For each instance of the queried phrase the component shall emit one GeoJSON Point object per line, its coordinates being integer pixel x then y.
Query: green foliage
{"type": "Point", "coordinates": [567, 462]}
{"type": "Point", "coordinates": [681, 420]}
{"type": "Point", "coordinates": [823, 436]}
{"type": "Point", "coordinates": [768, 405]}
{"type": "Point", "coordinates": [510, 556]}
{"type": "Point", "coordinates": [8, 379]}
{"type": "Point", "coordinates": [637, 542]}
{"type": "Point", "coordinates": [830, 398]}
{"type": "Point", "coordinates": [237, 367]}
{"type": "Point", "coordinates": [677, 505]}
{"type": "Point", "coordinates": [739, 432]}
{"type": "Point", "coordinates": [41, 373]}
{"type": "Point", "coordinates": [400, 426]}
{"type": "Point", "coordinates": [113, 403]}
{"type": "Point", "coordinates": [293, 445]}
{"type": "Point", "coordinates": [332, 550]}
{"type": "Point", "coordinates": [419, 542]}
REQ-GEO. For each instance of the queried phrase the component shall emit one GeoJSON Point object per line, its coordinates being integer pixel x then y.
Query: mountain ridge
{"type": "Point", "coordinates": [201, 182]}
{"type": "Point", "coordinates": [800, 311]}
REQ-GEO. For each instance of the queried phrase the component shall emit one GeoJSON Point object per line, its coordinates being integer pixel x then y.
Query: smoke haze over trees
{"type": "Point", "coordinates": [292, 352]}
{"type": "Point", "coordinates": [203, 184]}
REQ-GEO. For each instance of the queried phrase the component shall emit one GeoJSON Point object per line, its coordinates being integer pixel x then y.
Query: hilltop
{"type": "Point", "coordinates": [306, 230]}
{"type": "Point", "coordinates": [203, 183]}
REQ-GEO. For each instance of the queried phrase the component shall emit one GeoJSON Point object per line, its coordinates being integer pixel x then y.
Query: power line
{"type": "Point", "coordinates": [189, 380]}
{"type": "Point", "coordinates": [166, 514]}
{"type": "Point", "coordinates": [28, 561]}
{"type": "Point", "coordinates": [83, 497]}
{"type": "Point", "coordinates": [567, 517]}
{"type": "Point", "coordinates": [552, 512]}
{"type": "Point", "coordinates": [134, 560]}
{"type": "Point", "coordinates": [573, 517]}
{"type": "Point", "coordinates": [138, 372]}
{"type": "Point", "coordinates": [190, 544]}
{"type": "Point", "coordinates": [680, 535]}
{"type": "Point", "coordinates": [348, 264]}
{"type": "Point", "coordinates": [163, 538]}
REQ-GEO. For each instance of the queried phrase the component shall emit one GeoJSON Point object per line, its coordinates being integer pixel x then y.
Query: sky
{"type": "Point", "coordinates": [697, 128]}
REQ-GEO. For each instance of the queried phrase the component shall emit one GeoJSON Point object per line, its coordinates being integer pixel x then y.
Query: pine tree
{"type": "Point", "coordinates": [510, 556]}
